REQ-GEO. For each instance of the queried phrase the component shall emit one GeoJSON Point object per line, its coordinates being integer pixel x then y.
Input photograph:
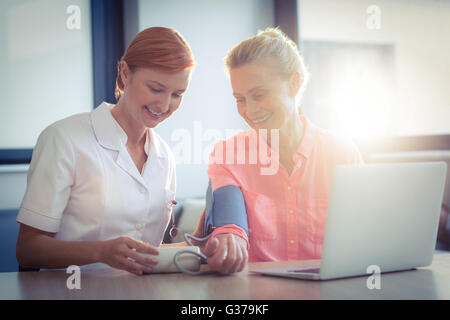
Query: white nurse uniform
{"type": "Point", "coordinates": [84, 186]}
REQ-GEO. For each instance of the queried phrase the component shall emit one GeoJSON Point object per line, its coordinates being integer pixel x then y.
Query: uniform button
{"type": "Point", "coordinates": [291, 242]}
{"type": "Point", "coordinates": [291, 212]}
{"type": "Point", "coordinates": [289, 188]}
{"type": "Point", "coordinates": [299, 164]}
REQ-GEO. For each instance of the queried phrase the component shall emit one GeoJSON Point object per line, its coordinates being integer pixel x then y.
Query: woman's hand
{"type": "Point", "coordinates": [128, 254]}
{"type": "Point", "coordinates": [227, 253]}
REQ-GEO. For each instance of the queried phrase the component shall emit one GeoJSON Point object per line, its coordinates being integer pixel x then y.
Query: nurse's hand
{"type": "Point", "coordinates": [128, 254]}
{"type": "Point", "coordinates": [227, 253]}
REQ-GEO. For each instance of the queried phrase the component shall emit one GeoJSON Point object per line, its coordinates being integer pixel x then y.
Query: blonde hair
{"type": "Point", "coordinates": [275, 45]}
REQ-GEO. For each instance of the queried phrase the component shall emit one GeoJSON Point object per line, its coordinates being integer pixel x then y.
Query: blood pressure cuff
{"type": "Point", "coordinates": [225, 206]}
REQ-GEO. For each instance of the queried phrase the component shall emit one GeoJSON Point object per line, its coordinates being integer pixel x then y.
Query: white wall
{"type": "Point", "coordinates": [46, 75]}
{"type": "Point", "coordinates": [46, 67]}
{"type": "Point", "coordinates": [211, 27]}
{"type": "Point", "coordinates": [419, 29]}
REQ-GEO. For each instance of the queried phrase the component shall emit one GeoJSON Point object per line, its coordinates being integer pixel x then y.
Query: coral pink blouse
{"type": "Point", "coordinates": [286, 213]}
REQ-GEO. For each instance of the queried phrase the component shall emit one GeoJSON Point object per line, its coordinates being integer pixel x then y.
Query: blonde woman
{"type": "Point", "coordinates": [286, 209]}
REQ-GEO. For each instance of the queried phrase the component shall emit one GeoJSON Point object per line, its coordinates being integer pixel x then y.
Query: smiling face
{"type": "Point", "coordinates": [151, 96]}
{"type": "Point", "coordinates": [264, 99]}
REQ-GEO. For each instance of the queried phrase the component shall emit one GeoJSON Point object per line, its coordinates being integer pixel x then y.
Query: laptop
{"type": "Point", "coordinates": [382, 215]}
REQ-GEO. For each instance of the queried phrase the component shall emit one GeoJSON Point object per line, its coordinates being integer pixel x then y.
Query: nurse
{"type": "Point", "coordinates": [101, 184]}
{"type": "Point", "coordinates": [286, 197]}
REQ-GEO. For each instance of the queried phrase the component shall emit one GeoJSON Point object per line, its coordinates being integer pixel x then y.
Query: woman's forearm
{"type": "Point", "coordinates": [43, 251]}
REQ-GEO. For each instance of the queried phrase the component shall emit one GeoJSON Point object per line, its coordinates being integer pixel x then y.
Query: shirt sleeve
{"type": "Point", "coordinates": [221, 176]}
{"type": "Point", "coordinates": [49, 181]}
{"type": "Point", "coordinates": [218, 172]}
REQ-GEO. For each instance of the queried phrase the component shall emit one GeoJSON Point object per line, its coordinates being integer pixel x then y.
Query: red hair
{"type": "Point", "coordinates": [159, 48]}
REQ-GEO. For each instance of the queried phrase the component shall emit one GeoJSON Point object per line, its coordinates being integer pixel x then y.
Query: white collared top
{"type": "Point", "coordinates": [83, 185]}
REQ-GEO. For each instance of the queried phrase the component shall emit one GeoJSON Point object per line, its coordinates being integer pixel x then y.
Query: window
{"type": "Point", "coordinates": [351, 88]}
{"type": "Point", "coordinates": [378, 68]}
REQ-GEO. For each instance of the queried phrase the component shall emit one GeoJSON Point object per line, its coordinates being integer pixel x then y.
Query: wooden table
{"type": "Point", "coordinates": [431, 282]}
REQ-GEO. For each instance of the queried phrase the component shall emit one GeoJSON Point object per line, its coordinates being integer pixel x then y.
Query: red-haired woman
{"type": "Point", "coordinates": [100, 184]}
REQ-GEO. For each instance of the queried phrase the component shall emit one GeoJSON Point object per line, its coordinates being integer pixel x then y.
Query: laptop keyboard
{"type": "Point", "coordinates": [305, 270]}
